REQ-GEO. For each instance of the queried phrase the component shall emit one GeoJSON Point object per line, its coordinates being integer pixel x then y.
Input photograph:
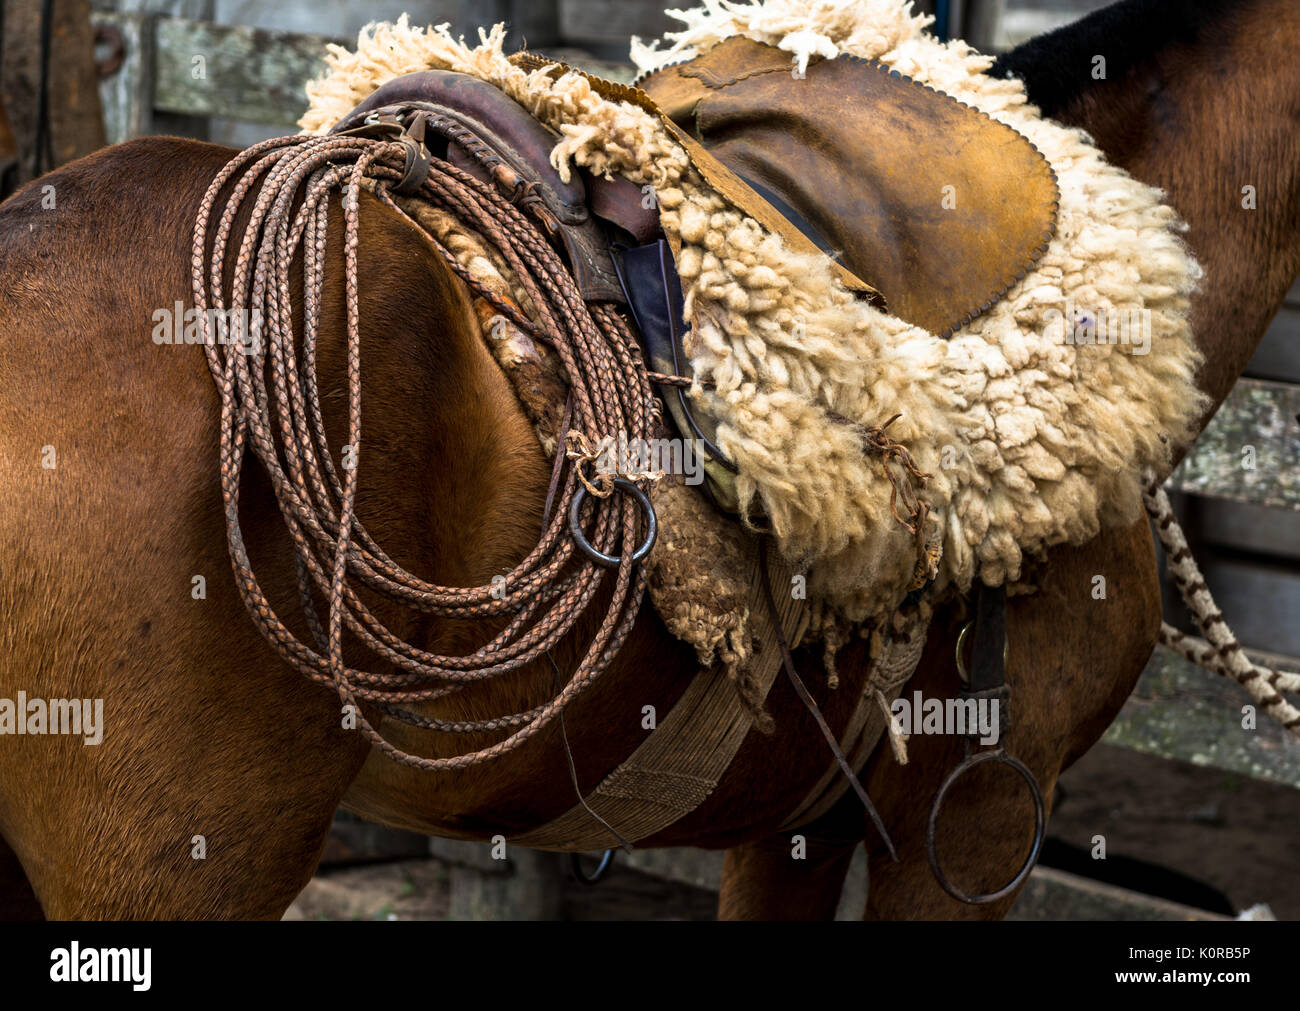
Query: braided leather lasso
{"type": "Point", "coordinates": [270, 404]}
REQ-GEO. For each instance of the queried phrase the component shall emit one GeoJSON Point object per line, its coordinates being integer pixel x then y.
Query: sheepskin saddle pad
{"type": "Point", "coordinates": [1004, 395]}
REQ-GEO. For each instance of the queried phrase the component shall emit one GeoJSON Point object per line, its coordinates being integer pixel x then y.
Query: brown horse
{"type": "Point", "coordinates": [219, 771]}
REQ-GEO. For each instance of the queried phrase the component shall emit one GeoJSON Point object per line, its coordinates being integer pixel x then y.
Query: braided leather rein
{"type": "Point", "coordinates": [270, 403]}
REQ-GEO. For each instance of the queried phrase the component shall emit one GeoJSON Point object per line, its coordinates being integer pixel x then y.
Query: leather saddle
{"type": "Point", "coordinates": [610, 236]}
{"type": "Point", "coordinates": [928, 205]}
{"type": "Point", "coordinates": [577, 207]}
{"type": "Point", "coordinates": [938, 206]}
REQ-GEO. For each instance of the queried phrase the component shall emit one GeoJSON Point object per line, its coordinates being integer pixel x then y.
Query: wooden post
{"type": "Point", "coordinates": [8, 156]}
{"type": "Point", "coordinates": [180, 122]}
{"type": "Point", "coordinates": [982, 23]}
{"type": "Point", "coordinates": [76, 125]}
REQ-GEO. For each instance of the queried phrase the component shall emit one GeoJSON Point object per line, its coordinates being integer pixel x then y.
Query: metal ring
{"type": "Point", "coordinates": [594, 877]}
{"type": "Point", "coordinates": [1040, 827]}
{"type": "Point", "coordinates": [112, 37]}
{"type": "Point", "coordinates": [599, 557]}
{"type": "Point", "coordinates": [962, 672]}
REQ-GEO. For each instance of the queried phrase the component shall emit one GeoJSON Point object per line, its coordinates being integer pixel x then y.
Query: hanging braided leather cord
{"type": "Point", "coordinates": [270, 404]}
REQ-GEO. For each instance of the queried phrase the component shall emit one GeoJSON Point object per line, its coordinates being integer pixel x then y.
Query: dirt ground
{"type": "Point", "coordinates": [1199, 836]}
{"type": "Point", "coordinates": [413, 889]}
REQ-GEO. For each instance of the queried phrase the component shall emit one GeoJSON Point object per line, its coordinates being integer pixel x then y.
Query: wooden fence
{"type": "Point", "coordinates": [177, 66]}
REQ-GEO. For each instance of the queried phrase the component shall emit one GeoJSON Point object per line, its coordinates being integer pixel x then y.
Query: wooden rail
{"type": "Point", "coordinates": [198, 68]}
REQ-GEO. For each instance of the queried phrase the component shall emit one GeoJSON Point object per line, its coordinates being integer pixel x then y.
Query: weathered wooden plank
{"type": "Point", "coordinates": [599, 21]}
{"type": "Point", "coordinates": [1250, 450]}
{"type": "Point", "coordinates": [199, 10]}
{"type": "Point", "coordinates": [1259, 599]}
{"type": "Point", "coordinates": [1180, 711]}
{"type": "Point", "coordinates": [1049, 894]}
{"type": "Point", "coordinates": [527, 885]}
{"type": "Point", "coordinates": [1278, 354]}
{"type": "Point", "coordinates": [1055, 895]}
{"type": "Point", "coordinates": [1237, 527]}
{"type": "Point", "coordinates": [250, 74]}
{"type": "Point", "coordinates": [176, 124]}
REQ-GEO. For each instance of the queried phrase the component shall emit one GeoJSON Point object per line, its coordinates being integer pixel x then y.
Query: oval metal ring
{"type": "Point", "coordinates": [599, 557]}
{"type": "Point", "coordinates": [962, 672]}
{"type": "Point", "coordinates": [1040, 827]}
{"type": "Point", "coordinates": [575, 862]}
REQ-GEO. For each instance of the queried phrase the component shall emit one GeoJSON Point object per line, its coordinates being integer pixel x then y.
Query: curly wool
{"type": "Point", "coordinates": [1030, 442]}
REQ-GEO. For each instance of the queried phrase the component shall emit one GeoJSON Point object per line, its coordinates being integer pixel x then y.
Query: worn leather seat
{"type": "Point", "coordinates": [930, 201]}
{"type": "Point", "coordinates": [524, 144]}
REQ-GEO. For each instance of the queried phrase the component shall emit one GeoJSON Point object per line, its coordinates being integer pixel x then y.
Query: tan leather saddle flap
{"type": "Point", "coordinates": [935, 204]}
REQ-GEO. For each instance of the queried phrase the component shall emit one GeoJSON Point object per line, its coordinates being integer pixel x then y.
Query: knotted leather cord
{"type": "Point", "coordinates": [876, 442]}
{"type": "Point", "coordinates": [787, 662]}
{"type": "Point", "coordinates": [281, 422]}
{"type": "Point", "coordinates": [1220, 651]}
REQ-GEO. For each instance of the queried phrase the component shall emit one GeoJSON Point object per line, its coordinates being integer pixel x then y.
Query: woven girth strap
{"type": "Point", "coordinates": [678, 765]}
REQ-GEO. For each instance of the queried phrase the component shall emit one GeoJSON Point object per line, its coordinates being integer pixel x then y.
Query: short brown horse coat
{"type": "Point", "coordinates": [207, 734]}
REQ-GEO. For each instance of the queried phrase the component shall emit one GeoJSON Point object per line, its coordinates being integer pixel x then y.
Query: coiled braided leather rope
{"type": "Point", "coordinates": [270, 404]}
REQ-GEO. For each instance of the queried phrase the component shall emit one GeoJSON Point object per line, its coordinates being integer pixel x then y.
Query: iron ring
{"type": "Point", "coordinates": [599, 557]}
{"type": "Point", "coordinates": [1040, 827]}
{"type": "Point", "coordinates": [962, 671]}
{"type": "Point", "coordinates": [594, 877]}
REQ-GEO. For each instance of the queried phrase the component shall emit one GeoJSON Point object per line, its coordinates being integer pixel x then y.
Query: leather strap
{"type": "Point", "coordinates": [987, 677]}
{"type": "Point", "coordinates": [680, 763]}
{"type": "Point", "coordinates": [889, 675]}
{"type": "Point", "coordinates": [43, 156]}
{"type": "Point", "coordinates": [806, 698]}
